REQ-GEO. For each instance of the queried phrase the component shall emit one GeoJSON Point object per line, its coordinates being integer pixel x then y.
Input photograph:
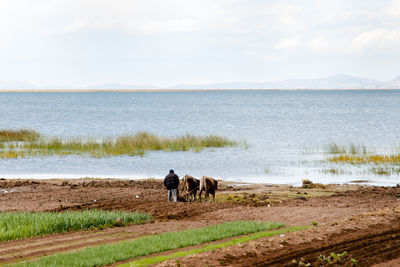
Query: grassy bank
{"type": "Point", "coordinates": [130, 145]}
{"type": "Point", "coordinates": [107, 254]}
{"type": "Point", "coordinates": [17, 225]}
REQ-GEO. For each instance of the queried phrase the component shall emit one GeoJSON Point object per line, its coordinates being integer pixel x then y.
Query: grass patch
{"type": "Point", "coordinates": [385, 170]}
{"type": "Point", "coordinates": [334, 148]}
{"type": "Point", "coordinates": [22, 135]}
{"type": "Point", "coordinates": [211, 247]}
{"type": "Point", "coordinates": [130, 145]}
{"type": "Point", "coordinates": [380, 164]}
{"type": "Point", "coordinates": [17, 225]}
{"type": "Point", "coordinates": [393, 159]}
{"type": "Point", "coordinates": [107, 254]}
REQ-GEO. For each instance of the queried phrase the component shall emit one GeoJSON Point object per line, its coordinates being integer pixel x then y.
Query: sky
{"type": "Point", "coordinates": [78, 43]}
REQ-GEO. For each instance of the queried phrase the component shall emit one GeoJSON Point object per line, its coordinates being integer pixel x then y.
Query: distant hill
{"type": "Point", "coordinates": [393, 84]}
{"type": "Point", "coordinates": [118, 86]}
{"type": "Point", "coordinates": [332, 82]}
{"type": "Point", "coordinates": [14, 85]}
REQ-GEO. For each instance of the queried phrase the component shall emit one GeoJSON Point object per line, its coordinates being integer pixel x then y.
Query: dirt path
{"type": "Point", "coordinates": [329, 206]}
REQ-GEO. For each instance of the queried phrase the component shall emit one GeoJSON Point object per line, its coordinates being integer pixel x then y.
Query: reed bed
{"type": "Point", "coordinates": [17, 225]}
{"type": "Point", "coordinates": [379, 164]}
{"type": "Point", "coordinates": [130, 145]}
{"type": "Point", "coordinates": [110, 253]}
{"type": "Point", "coordinates": [334, 148]}
{"type": "Point", "coordinates": [393, 159]}
{"type": "Point", "coordinates": [385, 170]}
{"type": "Point", "coordinates": [22, 135]}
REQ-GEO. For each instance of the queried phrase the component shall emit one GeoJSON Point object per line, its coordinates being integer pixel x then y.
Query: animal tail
{"type": "Point", "coordinates": [202, 182]}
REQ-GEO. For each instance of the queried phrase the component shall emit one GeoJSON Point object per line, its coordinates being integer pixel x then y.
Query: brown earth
{"type": "Point", "coordinates": [362, 220]}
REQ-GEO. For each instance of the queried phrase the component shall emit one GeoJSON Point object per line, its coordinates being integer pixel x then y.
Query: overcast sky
{"type": "Point", "coordinates": [166, 42]}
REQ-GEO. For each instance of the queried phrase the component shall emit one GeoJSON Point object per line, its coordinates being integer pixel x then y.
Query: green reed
{"type": "Point", "coordinates": [392, 159]}
{"type": "Point", "coordinates": [379, 163]}
{"type": "Point", "coordinates": [130, 145]}
{"type": "Point", "coordinates": [334, 148]}
{"type": "Point", "coordinates": [21, 135]}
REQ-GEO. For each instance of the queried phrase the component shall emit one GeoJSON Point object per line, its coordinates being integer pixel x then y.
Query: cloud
{"type": "Point", "coordinates": [164, 26]}
{"type": "Point", "coordinates": [393, 11]}
{"type": "Point", "coordinates": [288, 43]}
{"type": "Point", "coordinates": [319, 44]}
{"type": "Point", "coordinates": [167, 41]}
{"type": "Point", "coordinates": [377, 38]}
{"type": "Point", "coordinates": [76, 25]}
{"type": "Point", "coordinates": [132, 26]}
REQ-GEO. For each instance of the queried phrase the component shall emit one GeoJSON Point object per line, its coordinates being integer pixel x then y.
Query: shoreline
{"type": "Point", "coordinates": [243, 181]}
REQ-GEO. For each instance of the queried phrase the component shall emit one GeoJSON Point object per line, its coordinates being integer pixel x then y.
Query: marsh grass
{"type": "Point", "coordinates": [380, 164]}
{"type": "Point", "coordinates": [17, 225]}
{"type": "Point", "coordinates": [130, 145]}
{"type": "Point", "coordinates": [385, 170]}
{"type": "Point", "coordinates": [354, 149]}
{"type": "Point", "coordinates": [392, 159]}
{"type": "Point", "coordinates": [110, 253]}
{"type": "Point", "coordinates": [22, 135]}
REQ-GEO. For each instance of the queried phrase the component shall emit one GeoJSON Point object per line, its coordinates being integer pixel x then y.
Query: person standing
{"type": "Point", "coordinates": [171, 182]}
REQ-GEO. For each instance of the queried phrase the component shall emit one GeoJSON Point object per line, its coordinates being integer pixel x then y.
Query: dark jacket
{"type": "Point", "coordinates": [171, 181]}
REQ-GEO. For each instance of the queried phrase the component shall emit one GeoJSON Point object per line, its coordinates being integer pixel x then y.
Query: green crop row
{"type": "Point", "coordinates": [210, 247]}
{"type": "Point", "coordinates": [17, 225]}
{"type": "Point", "coordinates": [110, 253]}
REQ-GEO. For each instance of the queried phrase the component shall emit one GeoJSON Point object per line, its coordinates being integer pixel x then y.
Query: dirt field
{"type": "Point", "coordinates": [363, 221]}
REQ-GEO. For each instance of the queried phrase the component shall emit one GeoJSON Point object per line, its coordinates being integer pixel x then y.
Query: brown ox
{"type": "Point", "coordinates": [209, 185]}
{"type": "Point", "coordinates": [190, 186]}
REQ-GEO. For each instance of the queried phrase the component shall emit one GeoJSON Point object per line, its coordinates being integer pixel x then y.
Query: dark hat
{"type": "Point", "coordinates": [171, 171]}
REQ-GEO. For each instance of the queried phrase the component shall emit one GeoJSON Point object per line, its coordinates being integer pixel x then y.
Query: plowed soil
{"type": "Point", "coordinates": [361, 220]}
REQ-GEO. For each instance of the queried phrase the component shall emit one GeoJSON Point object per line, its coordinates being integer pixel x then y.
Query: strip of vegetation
{"type": "Point", "coordinates": [393, 159]}
{"type": "Point", "coordinates": [380, 164]}
{"type": "Point", "coordinates": [22, 135]}
{"type": "Point", "coordinates": [130, 145]}
{"type": "Point", "coordinates": [17, 225]}
{"type": "Point", "coordinates": [385, 170]}
{"type": "Point", "coordinates": [107, 254]}
{"type": "Point", "coordinates": [211, 247]}
{"type": "Point", "coordinates": [334, 148]}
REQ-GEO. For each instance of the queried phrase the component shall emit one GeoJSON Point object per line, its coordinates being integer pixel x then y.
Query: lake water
{"type": "Point", "coordinates": [285, 132]}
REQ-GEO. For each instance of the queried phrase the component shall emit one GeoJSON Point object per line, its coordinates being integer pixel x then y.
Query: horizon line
{"type": "Point", "coordinates": [176, 90]}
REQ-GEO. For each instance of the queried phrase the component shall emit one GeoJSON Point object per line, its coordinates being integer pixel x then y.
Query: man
{"type": "Point", "coordinates": [171, 182]}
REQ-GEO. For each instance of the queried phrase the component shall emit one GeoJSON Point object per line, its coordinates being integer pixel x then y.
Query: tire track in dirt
{"type": "Point", "coordinates": [368, 246]}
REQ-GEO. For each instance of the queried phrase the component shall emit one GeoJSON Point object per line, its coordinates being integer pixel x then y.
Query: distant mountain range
{"type": "Point", "coordinates": [332, 82]}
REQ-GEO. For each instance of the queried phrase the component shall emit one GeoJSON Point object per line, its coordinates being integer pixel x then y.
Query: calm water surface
{"type": "Point", "coordinates": [285, 131]}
